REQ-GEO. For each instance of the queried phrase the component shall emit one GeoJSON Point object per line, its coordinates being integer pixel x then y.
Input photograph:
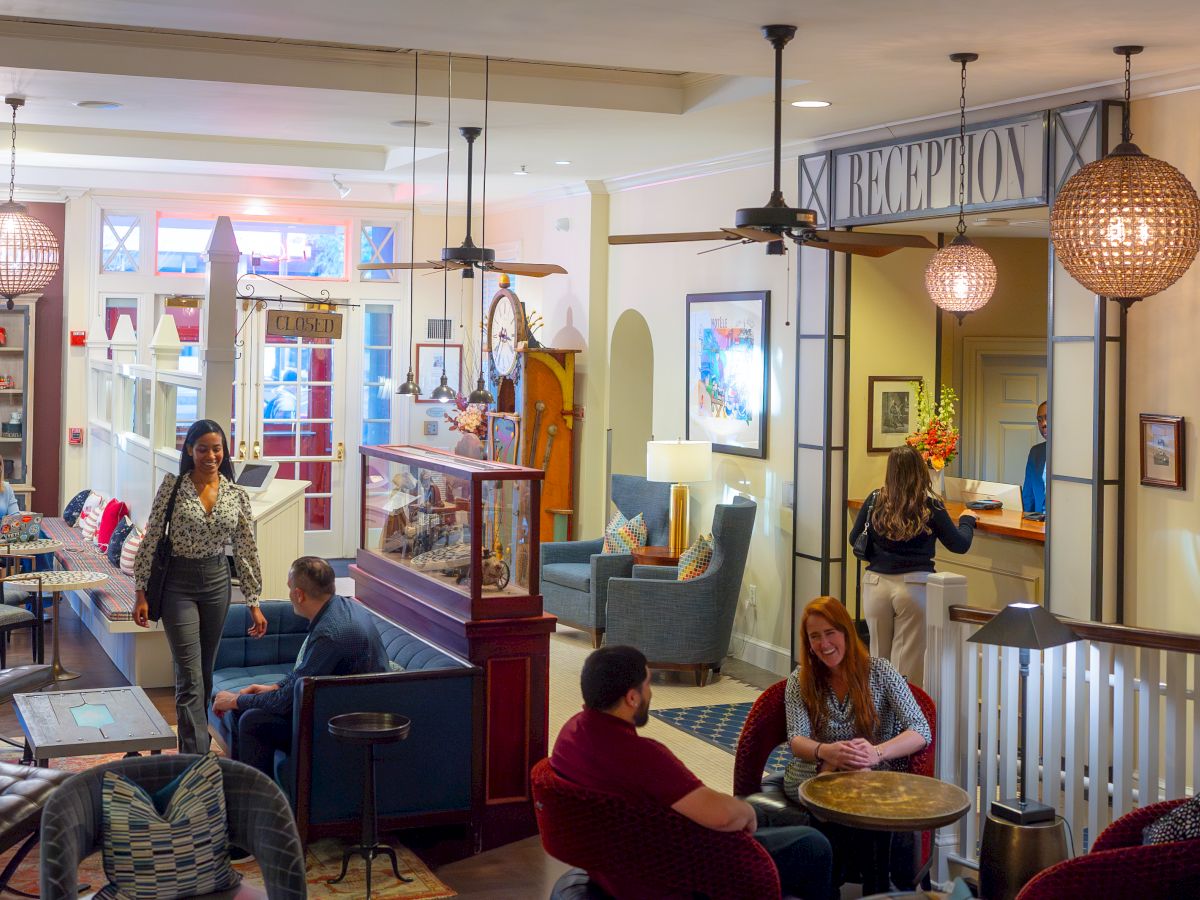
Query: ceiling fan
{"type": "Point", "coordinates": [467, 256]}
{"type": "Point", "coordinates": [772, 223]}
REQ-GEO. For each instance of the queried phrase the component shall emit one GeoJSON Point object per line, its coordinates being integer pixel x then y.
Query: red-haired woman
{"type": "Point", "coordinates": [846, 710]}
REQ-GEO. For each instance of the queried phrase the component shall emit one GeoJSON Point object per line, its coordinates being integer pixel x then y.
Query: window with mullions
{"type": "Point", "coordinates": [279, 249]}
{"type": "Point", "coordinates": [120, 242]}
{"type": "Point", "coordinates": [377, 374]}
{"type": "Point", "coordinates": [378, 244]}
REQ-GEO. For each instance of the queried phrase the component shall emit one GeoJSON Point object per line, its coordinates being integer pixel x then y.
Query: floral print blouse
{"type": "Point", "coordinates": [196, 534]}
{"type": "Point", "coordinates": [894, 705]}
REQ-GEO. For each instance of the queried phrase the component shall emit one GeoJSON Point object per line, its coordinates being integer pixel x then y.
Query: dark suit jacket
{"type": "Point", "coordinates": [1033, 491]}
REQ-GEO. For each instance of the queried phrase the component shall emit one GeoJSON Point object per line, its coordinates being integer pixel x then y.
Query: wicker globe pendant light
{"type": "Point", "coordinates": [29, 254]}
{"type": "Point", "coordinates": [410, 388]}
{"type": "Point", "coordinates": [1126, 226]}
{"type": "Point", "coordinates": [961, 277]}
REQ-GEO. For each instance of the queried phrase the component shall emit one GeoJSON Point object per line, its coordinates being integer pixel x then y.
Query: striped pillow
{"type": "Point", "coordinates": [623, 535]}
{"type": "Point", "coordinates": [130, 548]}
{"type": "Point", "coordinates": [180, 851]}
{"type": "Point", "coordinates": [93, 500]}
{"type": "Point", "coordinates": [89, 522]}
{"type": "Point", "coordinates": [695, 559]}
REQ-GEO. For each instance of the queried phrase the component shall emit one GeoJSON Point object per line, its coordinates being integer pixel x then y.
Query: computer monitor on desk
{"type": "Point", "coordinates": [964, 490]}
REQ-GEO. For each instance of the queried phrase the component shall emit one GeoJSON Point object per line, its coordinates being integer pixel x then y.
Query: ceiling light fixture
{"type": "Point", "coordinates": [961, 277]}
{"type": "Point", "coordinates": [481, 395]}
{"type": "Point", "coordinates": [521, 171]}
{"type": "Point", "coordinates": [342, 190]}
{"type": "Point", "coordinates": [811, 104]}
{"type": "Point", "coordinates": [97, 104]}
{"type": "Point", "coordinates": [562, 162]}
{"type": "Point", "coordinates": [443, 393]}
{"type": "Point", "coordinates": [409, 123]}
{"type": "Point", "coordinates": [29, 254]}
{"type": "Point", "coordinates": [1126, 226]}
{"type": "Point", "coordinates": [410, 388]}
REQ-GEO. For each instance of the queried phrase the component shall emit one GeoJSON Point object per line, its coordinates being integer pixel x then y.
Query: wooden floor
{"type": "Point", "coordinates": [517, 871]}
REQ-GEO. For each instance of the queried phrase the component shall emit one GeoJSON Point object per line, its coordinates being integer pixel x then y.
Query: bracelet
{"type": "Point", "coordinates": [879, 750]}
{"type": "Point", "coordinates": [817, 752]}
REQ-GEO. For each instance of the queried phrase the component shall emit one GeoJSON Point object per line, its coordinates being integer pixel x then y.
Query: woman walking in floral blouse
{"type": "Point", "coordinates": [210, 512]}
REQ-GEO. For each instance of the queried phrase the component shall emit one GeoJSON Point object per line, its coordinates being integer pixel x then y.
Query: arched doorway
{"type": "Point", "coordinates": [630, 393]}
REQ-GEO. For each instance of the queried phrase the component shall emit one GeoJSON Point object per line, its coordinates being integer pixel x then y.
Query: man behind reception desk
{"type": "Point", "coordinates": [1033, 492]}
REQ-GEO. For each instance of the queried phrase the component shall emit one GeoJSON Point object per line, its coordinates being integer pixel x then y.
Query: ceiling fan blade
{"type": "Point", "coordinates": [533, 270]}
{"type": "Point", "coordinates": [669, 238]}
{"type": "Point", "coordinates": [856, 250]}
{"type": "Point", "coordinates": [751, 234]}
{"type": "Point", "coordinates": [389, 267]}
{"type": "Point", "coordinates": [876, 239]}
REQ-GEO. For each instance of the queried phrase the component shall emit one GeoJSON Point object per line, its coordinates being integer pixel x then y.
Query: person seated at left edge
{"type": "Point", "coordinates": [342, 640]}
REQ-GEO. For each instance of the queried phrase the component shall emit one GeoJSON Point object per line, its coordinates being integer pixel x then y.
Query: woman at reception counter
{"type": "Point", "coordinates": [903, 522]}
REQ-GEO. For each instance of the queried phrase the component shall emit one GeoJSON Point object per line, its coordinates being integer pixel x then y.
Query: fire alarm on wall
{"type": "Point", "coordinates": [74, 436]}
{"type": "Point", "coordinates": [78, 338]}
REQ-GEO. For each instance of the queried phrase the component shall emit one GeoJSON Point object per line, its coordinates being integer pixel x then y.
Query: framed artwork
{"type": "Point", "coordinates": [1162, 450]}
{"type": "Point", "coordinates": [429, 368]}
{"type": "Point", "coordinates": [891, 410]}
{"type": "Point", "coordinates": [430, 428]}
{"type": "Point", "coordinates": [727, 371]}
{"type": "Point", "coordinates": [504, 437]}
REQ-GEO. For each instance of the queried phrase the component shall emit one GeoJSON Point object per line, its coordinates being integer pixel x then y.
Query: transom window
{"type": "Point", "coordinates": [120, 242]}
{"type": "Point", "coordinates": [282, 249]}
{"type": "Point", "coordinates": [378, 245]}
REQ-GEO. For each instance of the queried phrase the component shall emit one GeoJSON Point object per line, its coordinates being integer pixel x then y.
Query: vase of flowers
{"type": "Point", "coordinates": [935, 436]}
{"type": "Point", "coordinates": [470, 419]}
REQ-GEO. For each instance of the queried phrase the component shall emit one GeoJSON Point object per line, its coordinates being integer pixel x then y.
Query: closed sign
{"type": "Point", "coordinates": [289, 323]}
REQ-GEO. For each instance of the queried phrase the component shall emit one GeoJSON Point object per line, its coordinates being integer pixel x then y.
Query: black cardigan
{"type": "Point", "coordinates": [890, 557]}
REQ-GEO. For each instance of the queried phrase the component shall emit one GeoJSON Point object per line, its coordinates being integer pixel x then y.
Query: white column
{"type": "Point", "coordinates": [77, 303]}
{"type": "Point", "coordinates": [221, 311]}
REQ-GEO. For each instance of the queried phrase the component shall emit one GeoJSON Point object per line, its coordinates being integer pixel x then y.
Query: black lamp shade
{"type": "Point", "coordinates": [1024, 625]}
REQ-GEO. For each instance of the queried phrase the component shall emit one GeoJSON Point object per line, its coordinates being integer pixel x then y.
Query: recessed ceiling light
{"type": "Point", "coordinates": [97, 104]}
{"type": "Point", "coordinates": [562, 162]}
{"type": "Point", "coordinates": [410, 123]}
{"type": "Point", "coordinates": [810, 104]}
{"type": "Point", "coordinates": [521, 171]}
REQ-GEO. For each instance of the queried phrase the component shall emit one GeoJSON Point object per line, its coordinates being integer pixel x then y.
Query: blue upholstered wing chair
{"type": "Point", "coordinates": [575, 574]}
{"type": "Point", "coordinates": [686, 624]}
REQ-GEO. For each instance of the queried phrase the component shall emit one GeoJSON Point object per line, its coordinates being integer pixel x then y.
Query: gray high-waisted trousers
{"type": "Point", "coordinates": [195, 601]}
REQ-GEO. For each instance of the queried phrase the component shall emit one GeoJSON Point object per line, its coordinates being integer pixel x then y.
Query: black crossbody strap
{"type": "Point", "coordinates": [171, 509]}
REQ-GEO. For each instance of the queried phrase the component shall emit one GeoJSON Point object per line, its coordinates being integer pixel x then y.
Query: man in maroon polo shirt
{"type": "Point", "coordinates": [600, 749]}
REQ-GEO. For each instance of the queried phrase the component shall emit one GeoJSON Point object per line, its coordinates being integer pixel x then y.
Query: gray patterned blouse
{"type": "Point", "coordinates": [196, 534]}
{"type": "Point", "coordinates": [894, 704]}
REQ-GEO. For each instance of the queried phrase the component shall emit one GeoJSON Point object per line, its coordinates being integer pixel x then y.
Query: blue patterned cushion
{"type": "Point", "coordinates": [178, 850]}
{"type": "Point", "coordinates": [623, 535]}
{"type": "Point", "coordinates": [695, 559]}
{"type": "Point", "coordinates": [118, 539]}
{"type": "Point", "coordinates": [74, 507]}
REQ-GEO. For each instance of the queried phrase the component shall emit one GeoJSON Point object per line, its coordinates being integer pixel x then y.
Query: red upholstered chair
{"type": "Point", "coordinates": [642, 850]}
{"type": "Point", "coordinates": [1118, 867]}
{"type": "Point", "coordinates": [766, 729]}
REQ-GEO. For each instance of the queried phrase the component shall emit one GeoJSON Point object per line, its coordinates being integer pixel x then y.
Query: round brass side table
{"type": "Point", "coordinates": [1011, 854]}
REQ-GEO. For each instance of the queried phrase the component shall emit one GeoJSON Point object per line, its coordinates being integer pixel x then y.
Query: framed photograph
{"type": "Point", "coordinates": [891, 410]}
{"type": "Point", "coordinates": [728, 368]}
{"type": "Point", "coordinates": [429, 368]}
{"type": "Point", "coordinates": [430, 428]}
{"type": "Point", "coordinates": [1162, 450]}
{"type": "Point", "coordinates": [504, 437]}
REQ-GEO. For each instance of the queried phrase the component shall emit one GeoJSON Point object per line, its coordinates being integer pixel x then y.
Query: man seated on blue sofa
{"type": "Point", "coordinates": [342, 640]}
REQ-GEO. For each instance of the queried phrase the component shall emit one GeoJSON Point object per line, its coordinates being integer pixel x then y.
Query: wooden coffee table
{"type": "Point", "coordinates": [883, 802]}
{"type": "Point", "coordinates": [655, 556]}
{"type": "Point", "coordinates": [84, 723]}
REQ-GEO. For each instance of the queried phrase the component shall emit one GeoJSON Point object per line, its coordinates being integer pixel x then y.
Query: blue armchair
{"type": "Point", "coordinates": [434, 777]}
{"type": "Point", "coordinates": [686, 624]}
{"type": "Point", "coordinates": [575, 574]}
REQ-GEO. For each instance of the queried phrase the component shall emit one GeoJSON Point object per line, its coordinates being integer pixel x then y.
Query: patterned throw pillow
{"type": "Point", "coordinates": [94, 499]}
{"type": "Point", "coordinates": [180, 850]}
{"type": "Point", "coordinates": [89, 522]}
{"type": "Point", "coordinates": [1180, 824]}
{"type": "Point", "coordinates": [623, 535]}
{"type": "Point", "coordinates": [130, 548]}
{"type": "Point", "coordinates": [114, 512]}
{"type": "Point", "coordinates": [122, 531]}
{"type": "Point", "coordinates": [695, 559]}
{"type": "Point", "coordinates": [74, 507]}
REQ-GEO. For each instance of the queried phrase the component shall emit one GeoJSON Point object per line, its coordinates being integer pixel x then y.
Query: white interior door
{"type": "Point", "coordinates": [1010, 391]}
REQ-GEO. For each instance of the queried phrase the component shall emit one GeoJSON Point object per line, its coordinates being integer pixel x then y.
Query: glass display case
{"type": "Point", "coordinates": [452, 531]}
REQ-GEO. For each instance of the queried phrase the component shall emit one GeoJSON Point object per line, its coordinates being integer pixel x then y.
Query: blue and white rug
{"type": "Point", "coordinates": [720, 725]}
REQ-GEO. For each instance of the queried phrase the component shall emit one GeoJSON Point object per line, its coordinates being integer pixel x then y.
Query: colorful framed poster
{"type": "Point", "coordinates": [504, 437]}
{"type": "Point", "coordinates": [891, 410]}
{"type": "Point", "coordinates": [727, 374]}
{"type": "Point", "coordinates": [429, 368]}
{"type": "Point", "coordinates": [1162, 451]}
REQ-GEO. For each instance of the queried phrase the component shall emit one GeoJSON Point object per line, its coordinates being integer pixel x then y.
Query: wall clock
{"type": "Point", "coordinates": [506, 328]}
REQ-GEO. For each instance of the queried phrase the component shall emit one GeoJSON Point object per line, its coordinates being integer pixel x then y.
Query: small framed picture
{"type": "Point", "coordinates": [431, 428]}
{"type": "Point", "coordinates": [432, 361]}
{"type": "Point", "coordinates": [891, 410]}
{"type": "Point", "coordinates": [504, 437]}
{"type": "Point", "coordinates": [1162, 450]}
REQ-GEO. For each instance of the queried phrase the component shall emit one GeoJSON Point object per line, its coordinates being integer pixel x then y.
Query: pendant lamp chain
{"type": "Point", "coordinates": [1126, 132]}
{"type": "Point", "coordinates": [12, 166]}
{"type": "Point", "coordinates": [962, 147]}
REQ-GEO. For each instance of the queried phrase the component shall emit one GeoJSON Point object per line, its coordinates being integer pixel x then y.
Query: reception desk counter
{"type": "Point", "coordinates": [1006, 562]}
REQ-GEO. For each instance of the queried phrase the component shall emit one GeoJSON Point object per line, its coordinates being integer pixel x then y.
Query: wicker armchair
{"type": "Point", "coordinates": [1119, 867]}
{"type": "Point", "coordinates": [642, 850]}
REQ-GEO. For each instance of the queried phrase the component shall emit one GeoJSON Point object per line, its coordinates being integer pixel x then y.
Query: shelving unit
{"type": "Point", "coordinates": [16, 362]}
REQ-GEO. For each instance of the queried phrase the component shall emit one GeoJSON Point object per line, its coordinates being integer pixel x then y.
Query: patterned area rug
{"type": "Point", "coordinates": [720, 726]}
{"type": "Point", "coordinates": [323, 860]}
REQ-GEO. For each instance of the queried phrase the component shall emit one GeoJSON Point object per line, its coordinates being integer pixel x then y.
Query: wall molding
{"type": "Point", "coordinates": [761, 653]}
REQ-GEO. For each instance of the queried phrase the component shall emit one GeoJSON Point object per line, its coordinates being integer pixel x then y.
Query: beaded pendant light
{"type": "Point", "coordinates": [961, 277]}
{"type": "Point", "coordinates": [410, 388]}
{"type": "Point", "coordinates": [29, 254]}
{"type": "Point", "coordinates": [1126, 226]}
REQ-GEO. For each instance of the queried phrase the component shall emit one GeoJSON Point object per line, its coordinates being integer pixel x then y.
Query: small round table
{"type": "Point", "coordinates": [10, 552]}
{"type": "Point", "coordinates": [56, 582]}
{"type": "Point", "coordinates": [655, 556]}
{"type": "Point", "coordinates": [883, 801]}
{"type": "Point", "coordinates": [369, 729]}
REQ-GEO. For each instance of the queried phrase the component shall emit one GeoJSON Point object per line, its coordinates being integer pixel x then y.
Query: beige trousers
{"type": "Point", "coordinates": [894, 607]}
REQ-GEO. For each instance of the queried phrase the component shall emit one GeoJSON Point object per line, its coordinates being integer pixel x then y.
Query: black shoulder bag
{"type": "Point", "coordinates": [861, 548]}
{"type": "Point", "coordinates": [162, 558]}
{"type": "Point", "coordinates": [862, 544]}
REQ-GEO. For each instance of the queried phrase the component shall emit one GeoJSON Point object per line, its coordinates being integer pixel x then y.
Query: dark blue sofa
{"type": "Point", "coordinates": [432, 778]}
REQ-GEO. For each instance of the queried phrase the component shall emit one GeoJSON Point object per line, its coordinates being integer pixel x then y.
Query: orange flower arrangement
{"type": "Point", "coordinates": [935, 436]}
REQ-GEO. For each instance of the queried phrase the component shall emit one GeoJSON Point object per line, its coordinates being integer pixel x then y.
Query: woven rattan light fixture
{"type": "Point", "coordinates": [961, 277]}
{"type": "Point", "coordinates": [1128, 225]}
{"type": "Point", "coordinates": [28, 249]}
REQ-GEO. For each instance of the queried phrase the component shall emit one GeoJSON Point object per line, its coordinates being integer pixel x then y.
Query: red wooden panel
{"type": "Point", "coordinates": [507, 762]}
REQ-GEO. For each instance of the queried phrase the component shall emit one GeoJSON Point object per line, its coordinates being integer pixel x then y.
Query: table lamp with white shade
{"type": "Point", "coordinates": [679, 462]}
